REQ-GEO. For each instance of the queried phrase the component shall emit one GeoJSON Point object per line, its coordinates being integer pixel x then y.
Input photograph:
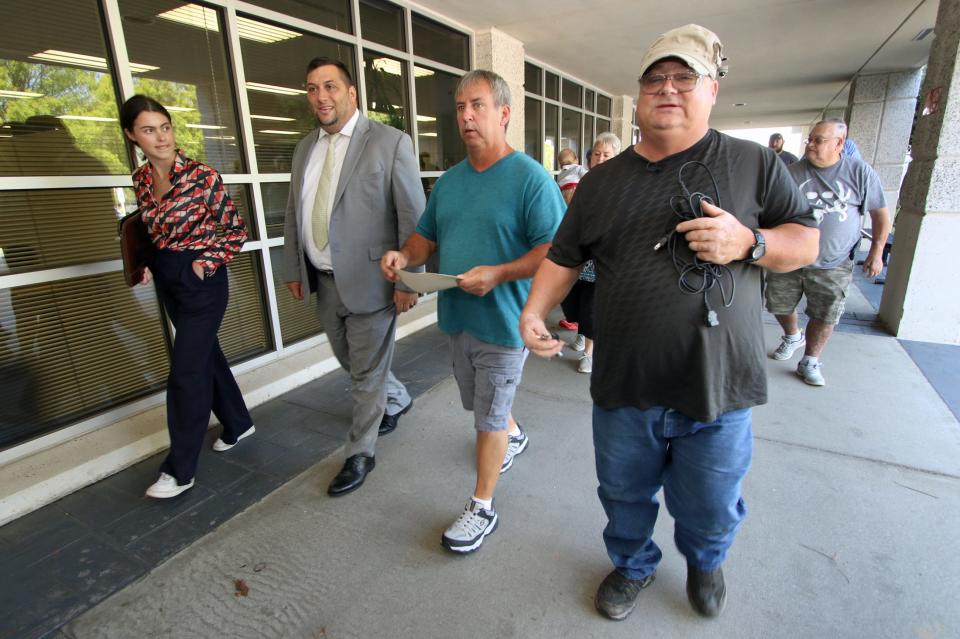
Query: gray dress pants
{"type": "Point", "coordinates": [363, 344]}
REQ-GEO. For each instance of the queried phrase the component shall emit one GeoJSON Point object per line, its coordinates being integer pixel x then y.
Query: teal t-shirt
{"type": "Point", "coordinates": [485, 219]}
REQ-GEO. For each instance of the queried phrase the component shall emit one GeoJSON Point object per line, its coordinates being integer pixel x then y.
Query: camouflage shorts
{"type": "Point", "coordinates": [826, 291]}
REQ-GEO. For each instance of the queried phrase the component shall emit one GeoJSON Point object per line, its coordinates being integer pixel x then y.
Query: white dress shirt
{"type": "Point", "coordinates": [311, 177]}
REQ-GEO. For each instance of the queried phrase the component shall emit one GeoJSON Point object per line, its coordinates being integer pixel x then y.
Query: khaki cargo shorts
{"type": "Point", "coordinates": [826, 291]}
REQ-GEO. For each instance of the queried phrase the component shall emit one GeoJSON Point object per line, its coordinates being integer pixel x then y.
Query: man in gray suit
{"type": "Point", "coordinates": [354, 194]}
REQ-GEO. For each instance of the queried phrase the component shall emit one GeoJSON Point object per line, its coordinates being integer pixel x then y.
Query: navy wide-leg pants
{"type": "Point", "coordinates": [200, 379]}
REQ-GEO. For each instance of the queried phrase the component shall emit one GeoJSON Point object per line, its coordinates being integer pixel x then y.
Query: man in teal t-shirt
{"type": "Point", "coordinates": [491, 219]}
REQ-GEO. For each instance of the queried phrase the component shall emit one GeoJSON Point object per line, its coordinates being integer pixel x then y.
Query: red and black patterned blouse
{"type": "Point", "coordinates": [195, 214]}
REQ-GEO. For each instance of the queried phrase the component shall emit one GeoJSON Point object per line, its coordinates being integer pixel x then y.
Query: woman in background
{"type": "Point", "coordinates": [196, 230]}
{"type": "Point", "coordinates": [578, 305]}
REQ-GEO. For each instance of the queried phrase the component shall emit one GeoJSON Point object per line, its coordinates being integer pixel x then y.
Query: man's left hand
{"type": "Point", "coordinates": [404, 301]}
{"type": "Point", "coordinates": [873, 264]}
{"type": "Point", "coordinates": [479, 280]}
{"type": "Point", "coordinates": [718, 237]}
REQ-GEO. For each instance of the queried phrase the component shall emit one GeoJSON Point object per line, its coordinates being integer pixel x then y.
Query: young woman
{"type": "Point", "coordinates": [196, 229]}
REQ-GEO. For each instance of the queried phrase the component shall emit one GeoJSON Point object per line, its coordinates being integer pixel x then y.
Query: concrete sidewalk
{"type": "Point", "coordinates": [854, 500]}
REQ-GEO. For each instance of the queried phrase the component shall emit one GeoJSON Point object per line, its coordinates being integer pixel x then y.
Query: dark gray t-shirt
{"type": "Point", "coordinates": [787, 157]}
{"type": "Point", "coordinates": [840, 195]}
{"type": "Point", "coordinates": [653, 347]}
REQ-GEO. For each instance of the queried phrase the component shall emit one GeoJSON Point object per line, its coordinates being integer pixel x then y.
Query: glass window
{"type": "Point", "coordinates": [329, 13]}
{"type": "Point", "coordinates": [589, 100]}
{"type": "Point", "coordinates": [588, 137]}
{"type": "Point", "coordinates": [191, 79]}
{"type": "Point", "coordinates": [572, 93]}
{"type": "Point", "coordinates": [386, 80]}
{"type": "Point", "coordinates": [438, 42]}
{"type": "Point", "coordinates": [50, 228]}
{"type": "Point", "coordinates": [382, 22]}
{"type": "Point", "coordinates": [531, 128]}
{"type": "Point", "coordinates": [552, 89]}
{"type": "Point", "coordinates": [603, 125]}
{"type": "Point", "coordinates": [550, 137]}
{"type": "Point", "coordinates": [275, 73]}
{"type": "Point", "coordinates": [298, 320]}
{"type": "Point", "coordinates": [570, 128]}
{"type": "Point", "coordinates": [531, 78]}
{"type": "Point", "coordinates": [603, 105]}
{"type": "Point", "coordinates": [244, 332]}
{"type": "Point", "coordinates": [275, 196]}
{"type": "Point", "coordinates": [428, 184]}
{"type": "Point", "coordinates": [71, 348]}
{"type": "Point", "coordinates": [58, 107]}
{"type": "Point", "coordinates": [439, 137]}
{"type": "Point", "coordinates": [240, 194]}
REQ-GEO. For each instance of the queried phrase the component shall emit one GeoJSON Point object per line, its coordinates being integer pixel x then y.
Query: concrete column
{"type": "Point", "coordinates": [503, 54]}
{"type": "Point", "coordinates": [881, 111]}
{"type": "Point", "coordinates": [621, 125]}
{"type": "Point", "coordinates": [921, 298]}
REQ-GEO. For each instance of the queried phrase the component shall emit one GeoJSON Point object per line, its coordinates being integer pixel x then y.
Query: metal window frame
{"type": "Point", "coordinates": [544, 100]}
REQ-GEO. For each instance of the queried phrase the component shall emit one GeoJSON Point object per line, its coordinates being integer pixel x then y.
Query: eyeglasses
{"type": "Point", "coordinates": [683, 82]}
{"type": "Point", "coordinates": [817, 141]}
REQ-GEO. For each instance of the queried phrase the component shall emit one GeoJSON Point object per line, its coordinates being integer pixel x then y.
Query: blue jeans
{"type": "Point", "coordinates": [700, 467]}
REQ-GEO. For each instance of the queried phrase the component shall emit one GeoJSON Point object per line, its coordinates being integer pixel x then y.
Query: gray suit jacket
{"type": "Point", "coordinates": [378, 201]}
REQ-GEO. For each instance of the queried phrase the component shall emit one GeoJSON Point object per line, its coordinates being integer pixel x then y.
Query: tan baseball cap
{"type": "Point", "coordinates": [700, 48]}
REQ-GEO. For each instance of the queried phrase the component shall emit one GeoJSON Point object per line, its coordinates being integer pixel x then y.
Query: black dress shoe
{"type": "Point", "coordinates": [389, 422]}
{"type": "Point", "coordinates": [351, 476]}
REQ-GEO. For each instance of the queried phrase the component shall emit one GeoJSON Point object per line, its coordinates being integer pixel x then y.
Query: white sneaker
{"type": "Point", "coordinates": [167, 487]}
{"type": "Point", "coordinates": [811, 373]}
{"type": "Point", "coordinates": [788, 347]}
{"type": "Point", "coordinates": [516, 445]}
{"type": "Point", "coordinates": [586, 364]}
{"type": "Point", "coordinates": [579, 343]}
{"type": "Point", "coordinates": [471, 527]}
{"type": "Point", "coordinates": [221, 445]}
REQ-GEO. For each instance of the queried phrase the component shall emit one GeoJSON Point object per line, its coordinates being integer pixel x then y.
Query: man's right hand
{"type": "Point", "coordinates": [537, 338]}
{"type": "Point", "coordinates": [392, 260]}
{"type": "Point", "coordinates": [296, 289]}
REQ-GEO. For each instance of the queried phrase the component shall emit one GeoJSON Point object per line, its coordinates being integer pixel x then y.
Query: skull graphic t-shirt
{"type": "Point", "coordinates": [840, 195]}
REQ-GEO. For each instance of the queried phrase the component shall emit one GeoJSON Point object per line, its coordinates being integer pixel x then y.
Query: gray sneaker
{"type": "Point", "coordinates": [516, 445]}
{"type": "Point", "coordinates": [811, 373]}
{"type": "Point", "coordinates": [579, 343]}
{"type": "Point", "coordinates": [788, 347]}
{"type": "Point", "coordinates": [585, 365]}
{"type": "Point", "coordinates": [470, 529]}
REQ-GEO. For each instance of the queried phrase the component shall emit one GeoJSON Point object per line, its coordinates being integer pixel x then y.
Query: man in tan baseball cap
{"type": "Point", "coordinates": [676, 369]}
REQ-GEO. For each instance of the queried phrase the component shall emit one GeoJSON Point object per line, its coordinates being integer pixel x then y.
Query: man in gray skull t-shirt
{"type": "Point", "coordinates": [841, 190]}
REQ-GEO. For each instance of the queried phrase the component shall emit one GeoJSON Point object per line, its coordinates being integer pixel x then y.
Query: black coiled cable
{"type": "Point", "coordinates": [696, 276]}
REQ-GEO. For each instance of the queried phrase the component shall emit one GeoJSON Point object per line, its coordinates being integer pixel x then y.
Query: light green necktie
{"type": "Point", "coordinates": [321, 204]}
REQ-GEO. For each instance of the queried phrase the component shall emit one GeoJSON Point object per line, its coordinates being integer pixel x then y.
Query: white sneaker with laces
{"type": "Point", "coordinates": [579, 343]}
{"type": "Point", "coordinates": [586, 364]}
{"type": "Point", "coordinates": [167, 487]}
{"type": "Point", "coordinates": [788, 347]}
{"type": "Point", "coordinates": [470, 529]}
{"type": "Point", "coordinates": [811, 373]}
{"type": "Point", "coordinates": [221, 445]}
{"type": "Point", "coordinates": [515, 445]}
